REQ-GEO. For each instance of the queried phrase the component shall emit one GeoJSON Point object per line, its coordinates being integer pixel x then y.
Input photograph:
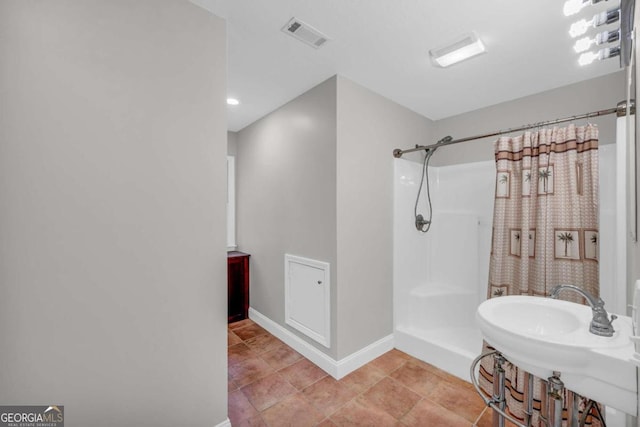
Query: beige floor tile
{"type": "Point", "coordinates": [390, 361]}
{"type": "Point", "coordinates": [362, 378]}
{"type": "Point", "coordinates": [427, 413]}
{"type": "Point", "coordinates": [232, 339]}
{"type": "Point", "coordinates": [294, 411]}
{"type": "Point", "coordinates": [256, 421]}
{"type": "Point", "coordinates": [239, 353]}
{"type": "Point", "coordinates": [268, 391]}
{"type": "Point", "coordinates": [327, 423]}
{"type": "Point", "coordinates": [356, 413]}
{"type": "Point", "coordinates": [263, 343]}
{"type": "Point", "coordinates": [487, 420]}
{"type": "Point", "coordinates": [417, 378]}
{"type": "Point", "coordinates": [249, 371]}
{"type": "Point", "coordinates": [250, 331]}
{"type": "Point", "coordinates": [241, 324]}
{"type": "Point", "coordinates": [271, 385]}
{"type": "Point", "coordinates": [240, 408]}
{"type": "Point", "coordinates": [302, 374]}
{"type": "Point", "coordinates": [281, 357]}
{"type": "Point", "coordinates": [390, 396]}
{"type": "Point", "coordinates": [464, 402]}
{"type": "Point", "coordinates": [328, 395]}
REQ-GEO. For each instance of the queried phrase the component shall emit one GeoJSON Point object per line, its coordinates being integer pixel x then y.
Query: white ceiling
{"type": "Point", "coordinates": [383, 45]}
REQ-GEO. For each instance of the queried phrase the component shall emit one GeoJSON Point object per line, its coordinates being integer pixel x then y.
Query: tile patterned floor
{"type": "Point", "coordinates": [272, 385]}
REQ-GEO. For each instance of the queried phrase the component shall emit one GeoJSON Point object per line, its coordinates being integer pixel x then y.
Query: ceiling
{"type": "Point", "coordinates": [384, 44]}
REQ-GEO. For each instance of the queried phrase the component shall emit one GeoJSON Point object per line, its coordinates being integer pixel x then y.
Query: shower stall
{"type": "Point", "coordinates": [440, 277]}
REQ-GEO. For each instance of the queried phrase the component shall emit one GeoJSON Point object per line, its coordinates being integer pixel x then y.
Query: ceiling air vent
{"type": "Point", "coordinates": [305, 33]}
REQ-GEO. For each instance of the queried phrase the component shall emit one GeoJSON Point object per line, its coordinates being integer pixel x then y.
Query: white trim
{"type": "Point", "coordinates": [455, 361]}
{"type": "Point", "coordinates": [619, 293]}
{"type": "Point", "coordinates": [336, 368]}
{"type": "Point", "coordinates": [365, 355]}
{"type": "Point", "coordinates": [225, 423]}
{"type": "Point", "coordinates": [231, 203]}
{"type": "Point", "coordinates": [322, 336]}
{"type": "Point", "coordinates": [316, 356]}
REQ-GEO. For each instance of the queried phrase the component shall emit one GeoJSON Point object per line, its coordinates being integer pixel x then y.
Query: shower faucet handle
{"type": "Point", "coordinates": [421, 223]}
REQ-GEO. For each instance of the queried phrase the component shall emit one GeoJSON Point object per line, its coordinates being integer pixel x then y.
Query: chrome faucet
{"type": "Point", "coordinates": [600, 324]}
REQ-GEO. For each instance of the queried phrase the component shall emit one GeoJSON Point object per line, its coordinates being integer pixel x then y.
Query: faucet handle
{"type": "Point", "coordinates": [601, 324]}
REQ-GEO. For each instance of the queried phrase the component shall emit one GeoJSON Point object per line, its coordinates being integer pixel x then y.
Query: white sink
{"type": "Point", "coordinates": [534, 317]}
{"type": "Point", "coordinates": [542, 335]}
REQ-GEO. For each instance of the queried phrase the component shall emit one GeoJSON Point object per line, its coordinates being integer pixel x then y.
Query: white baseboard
{"type": "Point", "coordinates": [363, 356]}
{"type": "Point", "coordinates": [225, 423]}
{"type": "Point", "coordinates": [324, 362]}
{"type": "Point", "coordinates": [336, 368]}
{"type": "Point", "coordinates": [454, 362]}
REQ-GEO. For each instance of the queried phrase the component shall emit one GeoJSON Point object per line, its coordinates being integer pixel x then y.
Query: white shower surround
{"type": "Point", "coordinates": [441, 277]}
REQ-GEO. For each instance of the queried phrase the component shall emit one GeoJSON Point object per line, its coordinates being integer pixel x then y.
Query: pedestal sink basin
{"type": "Point", "coordinates": [536, 317]}
{"type": "Point", "coordinates": [542, 335]}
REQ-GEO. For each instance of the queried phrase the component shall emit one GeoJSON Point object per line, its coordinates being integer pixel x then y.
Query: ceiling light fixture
{"type": "Point", "coordinates": [582, 26]}
{"type": "Point", "coordinates": [584, 44]}
{"type": "Point", "coordinates": [623, 34]}
{"type": "Point", "coordinates": [464, 48]}
{"type": "Point", "coordinates": [571, 7]}
{"type": "Point", "coordinates": [606, 53]}
{"type": "Point", "coordinates": [232, 101]}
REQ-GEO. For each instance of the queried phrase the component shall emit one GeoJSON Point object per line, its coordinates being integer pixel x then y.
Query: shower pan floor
{"type": "Point", "coordinates": [451, 349]}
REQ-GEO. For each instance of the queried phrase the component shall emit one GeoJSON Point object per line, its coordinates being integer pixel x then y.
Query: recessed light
{"type": "Point", "coordinates": [232, 101]}
{"type": "Point", "coordinates": [465, 47]}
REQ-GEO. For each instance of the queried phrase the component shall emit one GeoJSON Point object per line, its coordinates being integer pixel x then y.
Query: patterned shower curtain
{"type": "Point", "coordinates": [545, 226]}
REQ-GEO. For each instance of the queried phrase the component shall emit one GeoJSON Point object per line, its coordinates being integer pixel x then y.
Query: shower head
{"type": "Point", "coordinates": [446, 139]}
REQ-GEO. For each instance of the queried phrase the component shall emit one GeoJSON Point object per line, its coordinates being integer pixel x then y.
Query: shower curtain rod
{"type": "Point", "coordinates": [620, 110]}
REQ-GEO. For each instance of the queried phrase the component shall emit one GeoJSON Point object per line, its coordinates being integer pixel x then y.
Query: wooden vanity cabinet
{"type": "Point", "coordinates": [237, 285]}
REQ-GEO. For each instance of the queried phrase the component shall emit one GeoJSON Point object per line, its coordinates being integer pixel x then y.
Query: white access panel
{"type": "Point", "coordinates": [307, 297]}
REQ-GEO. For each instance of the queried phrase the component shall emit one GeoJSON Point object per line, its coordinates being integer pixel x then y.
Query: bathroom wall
{"type": "Point", "coordinates": [112, 221]}
{"type": "Point", "coordinates": [591, 95]}
{"type": "Point", "coordinates": [232, 143]}
{"type": "Point", "coordinates": [331, 148]}
{"type": "Point", "coordinates": [286, 196]}
{"type": "Point", "coordinates": [369, 127]}
{"type": "Point", "coordinates": [315, 179]}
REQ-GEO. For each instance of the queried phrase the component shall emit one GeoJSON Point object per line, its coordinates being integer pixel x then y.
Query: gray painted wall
{"type": "Point", "coordinates": [112, 235]}
{"type": "Point", "coordinates": [325, 159]}
{"type": "Point", "coordinates": [315, 179]}
{"type": "Point", "coordinates": [286, 195]}
{"type": "Point", "coordinates": [232, 144]}
{"type": "Point", "coordinates": [369, 128]}
{"type": "Point", "coordinates": [591, 95]}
